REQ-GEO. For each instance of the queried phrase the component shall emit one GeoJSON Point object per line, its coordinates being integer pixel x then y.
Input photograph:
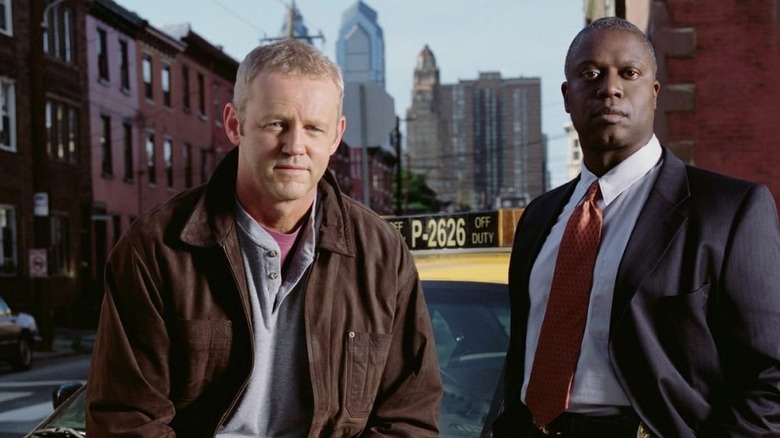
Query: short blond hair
{"type": "Point", "coordinates": [290, 57]}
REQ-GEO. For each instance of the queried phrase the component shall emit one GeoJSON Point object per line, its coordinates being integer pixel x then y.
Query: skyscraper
{"type": "Point", "coordinates": [370, 111]}
{"type": "Point", "coordinates": [360, 49]}
{"type": "Point", "coordinates": [478, 142]}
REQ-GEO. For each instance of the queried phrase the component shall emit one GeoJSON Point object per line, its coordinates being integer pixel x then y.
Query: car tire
{"type": "Point", "coordinates": [24, 354]}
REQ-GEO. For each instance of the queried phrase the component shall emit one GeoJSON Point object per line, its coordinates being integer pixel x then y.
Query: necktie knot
{"type": "Point", "coordinates": [594, 192]}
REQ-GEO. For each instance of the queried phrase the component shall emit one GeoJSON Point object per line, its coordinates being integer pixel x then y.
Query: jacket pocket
{"type": "Point", "coordinates": [202, 351]}
{"type": "Point", "coordinates": [366, 357]}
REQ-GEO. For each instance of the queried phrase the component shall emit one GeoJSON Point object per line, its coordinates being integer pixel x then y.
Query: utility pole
{"type": "Point", "coordinates": [398, 182]}
{"type": "Point", "coordinates": [289, 34]}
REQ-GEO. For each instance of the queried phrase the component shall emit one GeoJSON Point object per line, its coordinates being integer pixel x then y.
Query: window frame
{"type": "Point", "coordinates": [7, 17]}
{"type": "Point", "coordinates": [165, 84]}
{"type": "Point", "coordinates": [124, 65]}
{"type": "Point", "coordinates": [168, 161]}
{"type": "Point", "coordinates": [151, 167]}
{"type": "Point", "coordinates": [8, 105]}
{"type": "Point", "coordinates": [102, 55]}
{"type": "Point", "coordinates": [146, 68]}
{"type": "Point", "coordinates": [62, 125]}
{"type": "Point", "coordinates": [10, 222]}
{"type": "Point", "coordinates": [60, 249]}
{"type": "Point", "coordinates": [106, 146]}
{"type": "Point", "coordinates": [129, 164]}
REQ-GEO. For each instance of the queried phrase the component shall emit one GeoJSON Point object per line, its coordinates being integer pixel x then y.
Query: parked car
{"type": "Point", "coordinates": [18, 336]}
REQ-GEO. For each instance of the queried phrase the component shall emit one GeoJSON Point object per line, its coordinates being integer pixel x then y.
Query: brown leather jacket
{"type": "Point", "coordinates": [174, 347]}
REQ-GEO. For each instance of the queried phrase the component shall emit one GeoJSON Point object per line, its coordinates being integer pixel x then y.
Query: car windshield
{"type": "Point", "coordinates": [471, 328]}
{"type": "Point", "coordinates": [71, 415]}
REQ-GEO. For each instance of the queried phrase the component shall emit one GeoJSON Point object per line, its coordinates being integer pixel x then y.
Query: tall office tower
{"type": "Point", "coordinates": [487, 149]}
{"type": "Point", "coordinates": [422, 124]}
{"type": "Point", "coordinates": [360, 49]}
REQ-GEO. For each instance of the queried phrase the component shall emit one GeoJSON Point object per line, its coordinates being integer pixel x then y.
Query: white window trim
{"type": "Point", "coordinates": [11, 103]}
{"type": "Point", "coordinates": [9, 18]}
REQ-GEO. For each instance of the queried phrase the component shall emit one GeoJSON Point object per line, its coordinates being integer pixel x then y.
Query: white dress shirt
{"type": "Point", "coordinates": [625, 188]}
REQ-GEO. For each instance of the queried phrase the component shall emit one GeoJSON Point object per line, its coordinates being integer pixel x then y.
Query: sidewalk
{"type": "Point", "coordinates": [68, 342]}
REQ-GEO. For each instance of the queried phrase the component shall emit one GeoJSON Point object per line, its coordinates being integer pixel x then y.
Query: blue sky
{"type": "Point", "coordinates": [515, 37]}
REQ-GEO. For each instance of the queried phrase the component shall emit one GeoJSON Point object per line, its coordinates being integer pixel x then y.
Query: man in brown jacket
{"type": "Point", "coordinates": [266, 303]}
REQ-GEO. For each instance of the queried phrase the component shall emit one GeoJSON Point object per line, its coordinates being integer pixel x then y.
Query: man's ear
{"type": "Point", "coordinates": [232, 124]}
{"type": "Point", "coordinates": [565, 92]}
{"type": "Point", "coordinates": [342, 126]}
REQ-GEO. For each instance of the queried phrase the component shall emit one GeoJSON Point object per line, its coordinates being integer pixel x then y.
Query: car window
{"type": "Point", "coordinates": [4, 309]}
{"type": "Point", "coordinates": [471, 329]}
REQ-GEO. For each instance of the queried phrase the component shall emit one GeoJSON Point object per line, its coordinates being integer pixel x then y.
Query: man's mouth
{"type": "Point", "coordinates": [610, 114]}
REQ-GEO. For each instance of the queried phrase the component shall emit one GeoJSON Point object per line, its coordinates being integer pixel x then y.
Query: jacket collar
{"type": "Point", "coordinates": [212, 219]}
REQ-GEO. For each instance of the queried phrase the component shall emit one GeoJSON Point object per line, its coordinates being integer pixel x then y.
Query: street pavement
{"type": "Point", "coordinates": [67, 342]}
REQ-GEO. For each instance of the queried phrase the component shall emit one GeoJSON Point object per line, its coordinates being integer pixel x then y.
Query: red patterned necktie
{"type": "Point", "coordinates": [556, 355]}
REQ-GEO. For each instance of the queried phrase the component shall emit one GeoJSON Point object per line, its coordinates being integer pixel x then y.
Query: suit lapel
{"type": "Point", "coordinates": [656, 226]}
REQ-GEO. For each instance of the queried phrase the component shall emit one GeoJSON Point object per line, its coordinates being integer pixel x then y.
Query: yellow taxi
{"type": "Point", "coordinates": [463, 260]}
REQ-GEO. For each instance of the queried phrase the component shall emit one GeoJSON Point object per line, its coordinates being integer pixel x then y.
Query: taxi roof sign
{"type": "Point", "coordinates": [486, 229]}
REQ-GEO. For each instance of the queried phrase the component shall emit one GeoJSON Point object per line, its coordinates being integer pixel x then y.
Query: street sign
{"type": "Point", "coordinates": [38, 263]}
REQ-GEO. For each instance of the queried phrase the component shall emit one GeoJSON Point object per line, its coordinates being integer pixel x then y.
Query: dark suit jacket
{"type": "Point", "coordinates": [695, 324]}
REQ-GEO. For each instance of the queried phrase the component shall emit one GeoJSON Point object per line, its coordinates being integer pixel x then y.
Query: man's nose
{"type": "Point", "coordinates": [293, 141]}
{"type": "Point", "coordinates": [611, 85]}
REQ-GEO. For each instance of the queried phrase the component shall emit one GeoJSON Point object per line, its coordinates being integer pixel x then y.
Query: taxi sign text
{"type": "Point", "coordinates": [441, 231]}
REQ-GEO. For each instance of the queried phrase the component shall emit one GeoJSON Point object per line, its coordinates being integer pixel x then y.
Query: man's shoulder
{"type": "Point", "coordinates": [158, 219]}
{"type": "Point", "coordinates": [362, 216]}
{"type": "Point", "coordinates": [704, 182]}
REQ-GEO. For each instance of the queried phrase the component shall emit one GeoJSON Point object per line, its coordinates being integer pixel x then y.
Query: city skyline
{"type": "Point", "coordinates": [517, 39]}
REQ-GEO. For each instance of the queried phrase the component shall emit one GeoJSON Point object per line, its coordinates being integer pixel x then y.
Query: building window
{"type": "Point", "coordinates": [147, 67]}
{"type": "Point", "coordinates": [124, 66]}
{"type": "Point", "coordinates": [62, 121]}
{"type": "Point", "coordinates": [102, 54]}
{"type": "Point", "coordinates": [6, 21]}
{"type": "Point", "coordinates": [185, 81]}
{"type": "Point", "coordinates": [7, 115]}
{"type": "Point", "coordinates": [201, 95]}
{"type": "Point", "coordinates": [59, 255]}
{"type": "Point", "coordinates": [217, 104]}
{"type": "Point", "coordinates": [58, 33]}
{"type": "Point", "coordinates": [127, 129]}
{"type": "Point", "coordinates": [165, 84]}
{"type": "Point", "coordinates": [204, 165]}
{"type": "Point", "coordinates": [150, 168]}
{"type": "Point", "coordinates": [187, 160]}
{"type": "Point", "coordinates": [8, 260]}
{"type": "Point", "coordinates": [105, 144]}
{"type": "Point", "coordinates": [168, 158]}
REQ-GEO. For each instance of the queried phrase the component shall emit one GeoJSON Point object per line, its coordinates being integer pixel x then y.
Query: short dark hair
{"type": "Point", "coordinates": [609, 23]}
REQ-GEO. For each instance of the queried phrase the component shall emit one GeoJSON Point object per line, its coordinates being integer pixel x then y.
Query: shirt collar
{"type": "Point", "coordinates": [625, 174]}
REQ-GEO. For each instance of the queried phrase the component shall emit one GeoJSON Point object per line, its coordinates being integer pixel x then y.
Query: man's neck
{"type": "Point", "coordinates": [281, 217]}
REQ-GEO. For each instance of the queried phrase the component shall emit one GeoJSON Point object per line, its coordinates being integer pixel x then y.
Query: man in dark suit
{"type": "Point", "coordinates": [681, 333]}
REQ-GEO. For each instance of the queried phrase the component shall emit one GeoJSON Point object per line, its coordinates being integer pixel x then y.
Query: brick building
{"type": "Point", "coordinates": [45, 186]}
{"type": "Point", "coordinates": [720, 99]}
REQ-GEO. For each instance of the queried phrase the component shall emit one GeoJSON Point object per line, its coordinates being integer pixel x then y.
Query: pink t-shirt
{"type": "Point", "coordinates": [285, 241]}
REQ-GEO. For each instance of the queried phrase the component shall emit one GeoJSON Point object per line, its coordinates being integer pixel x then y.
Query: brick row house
{"type": "Point", "coordinates": [102, 116]}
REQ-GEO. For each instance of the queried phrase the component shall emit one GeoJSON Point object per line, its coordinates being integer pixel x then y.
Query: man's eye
{"type": "Point", "coordinates": [631, 74]}
{"type": "Point", "coordinates": [589, 75]}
